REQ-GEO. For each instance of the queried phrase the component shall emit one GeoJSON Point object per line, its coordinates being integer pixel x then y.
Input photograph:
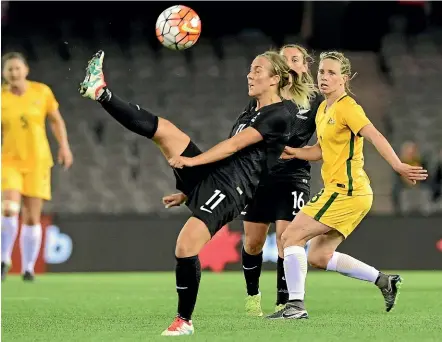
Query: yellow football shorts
{"type": "Point", "coordinates": [338, 211]}
{"type": "Point", "coordinates": [34, 183]}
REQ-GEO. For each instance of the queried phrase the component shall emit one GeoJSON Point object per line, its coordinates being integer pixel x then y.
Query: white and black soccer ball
{"type": "Point", "coordinates": [178, 27]}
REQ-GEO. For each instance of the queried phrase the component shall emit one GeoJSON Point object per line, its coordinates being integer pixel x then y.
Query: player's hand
{"type": "Point", "coordinates": [410, 173]}
{"type": "Point", "coordinates": [288, 153]}
{"type": "Point", "coordinates": [65, 157]}
{"type": "Point", "coordinates": [174, 200]}
{"type": "Point", "coordinates": [179, 162]}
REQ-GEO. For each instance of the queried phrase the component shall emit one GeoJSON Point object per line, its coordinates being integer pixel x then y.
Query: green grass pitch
{"type": "Point", "coordinates": [139, 306]}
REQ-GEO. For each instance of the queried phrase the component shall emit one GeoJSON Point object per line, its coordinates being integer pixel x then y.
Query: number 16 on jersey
{"type": "Point", "coordinates": [298, 201]}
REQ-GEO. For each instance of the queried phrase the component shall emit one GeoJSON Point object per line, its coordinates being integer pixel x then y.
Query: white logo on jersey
{"type": "Point", "coordinates": [302, 111]}
{"type": "Point", "coordinates": [240, 128]}
{"type": "Point", "coordinates": [254, 118]}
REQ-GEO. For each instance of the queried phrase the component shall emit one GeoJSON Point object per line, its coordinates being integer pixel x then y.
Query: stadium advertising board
{"type": "Point", "coordinates": [105, 243]}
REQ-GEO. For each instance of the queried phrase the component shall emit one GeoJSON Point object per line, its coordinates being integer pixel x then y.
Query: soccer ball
{"type": "Point", "coordinates": [178, 27]}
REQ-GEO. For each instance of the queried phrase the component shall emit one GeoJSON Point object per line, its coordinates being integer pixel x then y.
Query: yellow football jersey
{"type": "Point", "coordinates": [342, 149]}
{"type": "Point", "coordinates": [25, 144]}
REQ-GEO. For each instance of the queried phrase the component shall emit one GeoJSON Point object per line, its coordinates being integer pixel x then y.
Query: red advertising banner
{"type": "Point", "coordinates": [221, 250]}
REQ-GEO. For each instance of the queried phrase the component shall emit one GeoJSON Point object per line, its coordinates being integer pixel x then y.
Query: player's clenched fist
{"type": "Point", "coordinates": [174, 200]}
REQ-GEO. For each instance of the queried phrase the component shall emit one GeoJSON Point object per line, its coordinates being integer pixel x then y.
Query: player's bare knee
{"type": "Point", "coordinates": [279, 242]}
{"type": "Point", "coordinates": [284, 238]}
{"type": "Point", "coordinates": [167, 130]}
{"type": "Point", "coordinates": [318, 259]}
{"type": "Point", "coordinates": [31, 221]}
{"type": "Point", "coordinates": [253, 245]}
{"type": "Point", "coordinates": [255, 235]}
{"type": "Point", "coordinates": [170, 139]}
{"type": "Point", "coordinates": [164, 128]}
{"type": "Point", "coordinates": [10, 208]}
{"type": "Point", "coordinates": [183, 250]}
{"type": "Point", "coordinates": [290, 237]}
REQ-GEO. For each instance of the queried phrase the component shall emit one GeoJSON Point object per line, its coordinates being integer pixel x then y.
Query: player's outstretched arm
{"type": "Point", "coordinates": [221, 151]}
{"type": "Point", "coordinates": [411, 173]}
{"type": "Point", "coordinates": [310, 153]}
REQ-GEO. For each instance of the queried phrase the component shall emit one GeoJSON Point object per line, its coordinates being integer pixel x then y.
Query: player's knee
{"type": "Point", "coordinates": [184, 250]}
{"type": "Point", "coordinates": [31, 220]}
{"type": "Point", "coordinates": [166, 129]}
{"type": "Point", "coordinates": [10, 208]}
{"type": "Point", "coordinates": [288, 238]}
{"type": "Point", "coordinates": [165, 125]}
{"type": "Point", "coordinates": [295, 235]}
{"type": "Point", "coordinates": [181, 250]}
{"type": "Point", "coordinates": [318, 259]}
{"type": "Point", "coordinates": [279, 238]}
{"type": "Point", "coordinates": [254, 240]}
{"type": "Point", "coordinates": [254, 245]}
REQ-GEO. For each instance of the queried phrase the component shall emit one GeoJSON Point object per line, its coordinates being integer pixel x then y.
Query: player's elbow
{"type": "Point", "coordinates": [57, 122]}
{"type": "Point", "coordinates": [236, 148]}
{"type": "Point", "coordinates": [318, 157]}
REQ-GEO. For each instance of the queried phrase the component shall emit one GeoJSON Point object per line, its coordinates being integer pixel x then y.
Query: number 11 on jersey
{"type": "Point", "coordinates": [218, 200]}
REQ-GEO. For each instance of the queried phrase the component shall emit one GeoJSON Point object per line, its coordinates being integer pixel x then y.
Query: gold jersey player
{"type": "Point", "coordinates": [333, 214]}
{"type": "Point", "coordinates": [26, 159]}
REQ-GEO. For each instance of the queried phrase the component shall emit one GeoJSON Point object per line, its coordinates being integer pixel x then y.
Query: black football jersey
{"type": "Point", "coordinates": [243, 170]}
{"type": "Point", "coordinates": [302, 128]}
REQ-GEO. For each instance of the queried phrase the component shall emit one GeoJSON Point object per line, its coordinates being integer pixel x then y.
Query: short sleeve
{"type": "Point", "coordinates": [271, 125]}
{"type": "Point", "coordinates": [354, 117]}
{"type": "Point", "coordinates": [51, 102]}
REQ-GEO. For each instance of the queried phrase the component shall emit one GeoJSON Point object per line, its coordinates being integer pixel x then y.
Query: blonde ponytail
{"type": "Point", "coordinates": [291, 84]}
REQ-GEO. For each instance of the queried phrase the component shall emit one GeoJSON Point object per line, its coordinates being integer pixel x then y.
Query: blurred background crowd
{"type": "Point", "coordinates": [395, 47]}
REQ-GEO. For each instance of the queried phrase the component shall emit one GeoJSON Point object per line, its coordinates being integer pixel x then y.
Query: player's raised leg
{"type": "Point", "coordinates": [10, 209]}
{"type": "Point", "coordinates": [254, 240]}
{"type": "Point", "coordinates": [192, 238]}
{"type": "Point", "coordinates": [171, 140]}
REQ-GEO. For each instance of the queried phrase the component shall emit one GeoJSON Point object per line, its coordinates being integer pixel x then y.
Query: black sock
{"type": "Point", "coordinates": [133, 117]}
{"type": "Point", "coordinates": [282, 296]}
{"type": "Point", "coordinates": [252, 265]}
{"type": "Point", "coordinates": [188, 275]}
